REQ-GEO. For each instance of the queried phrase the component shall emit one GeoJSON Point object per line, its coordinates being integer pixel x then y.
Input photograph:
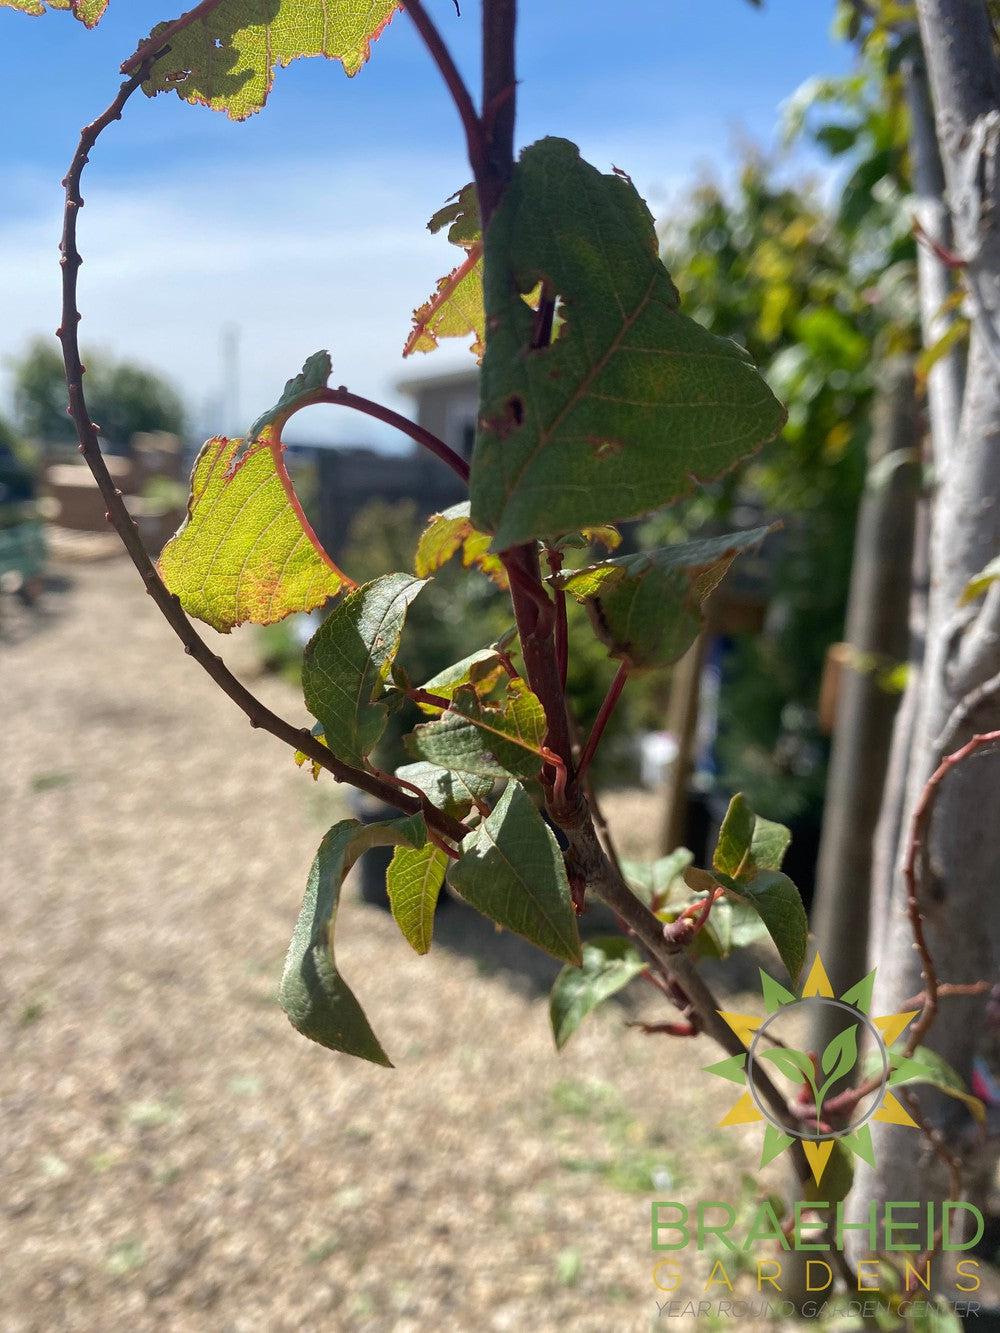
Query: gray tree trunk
{"type": "Point", "coordinates": [877, 633]}
{"type": "Point", "coordinates": [959, 895]}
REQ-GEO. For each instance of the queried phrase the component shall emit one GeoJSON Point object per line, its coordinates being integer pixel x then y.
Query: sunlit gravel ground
{"type": "Point", "coordinates": [172, 1155]}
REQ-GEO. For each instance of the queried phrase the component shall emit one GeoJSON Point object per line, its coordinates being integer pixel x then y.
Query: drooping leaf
{"type": "Point", "coordinates": [978, 585]}
{"type": "Point", "coordinates": [647, 607]}
{"type": "Point", "coordinates": [778, 903]}
{"type": "Point", "coordinates": [609, 964]}
{"type": "Point", "coordinates": [511, 870]}
{"type": "Point", "coordinates": [246, 551]}
{"type": "Point", "coordinates": [347, 661]}
{"type": "Point", "coordinates": [455, 310]}
{"type": "Point", "coordinates": [448, 533]}
{"type": "Point", "coordinates": [454, 793]}
{"type": "Point", "coordinates": [957, 332]}
{"type": "Point", "coordinates": [413, 883]}
{"type": "Point", "coordinates": [226, 59]}
{"type": "Point", "coordinates": [316, 998]}
{"type": "Point", "coordinates": [633, 400]}
{"type": "Point", "coordinates": [482, 669]}
{"type": "Point", "coordinates": [497, 737]}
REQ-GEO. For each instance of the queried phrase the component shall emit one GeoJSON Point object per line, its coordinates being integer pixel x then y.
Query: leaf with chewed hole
{"type": "Point", "coordinates": [347, 661]}
{"type": "Point", "coordinates": [495, 737]}
{"type": "Point", "coordinates": [246, 551]}
{"type": "Point", "coordinates": [413, 883]}
{"type": "Point", "coordinates": [511, 870]}
{"type": "Point", "coordinates": [647, 607]}
{"type": "Point", "coordinates": [633, 401]}
{"type": "Point", "coordinates": [225, 59]}
{"type": "Point", "coordinates": [318, 1001]}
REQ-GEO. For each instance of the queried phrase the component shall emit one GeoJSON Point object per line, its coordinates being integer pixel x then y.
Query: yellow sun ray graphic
{"type": "Point", "coordinates": [840, 1065]}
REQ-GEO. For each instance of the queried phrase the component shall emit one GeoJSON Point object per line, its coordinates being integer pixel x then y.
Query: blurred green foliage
{"type": "Point", "coordinates": [822, 294]}
{"type": "Point", "coordinates": [123, 398]}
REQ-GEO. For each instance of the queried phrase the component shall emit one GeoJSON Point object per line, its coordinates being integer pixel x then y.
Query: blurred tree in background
{"type": "Point", "coordinates": [822, 294]}
{"type": "Point", "coordinates": [124, 398]}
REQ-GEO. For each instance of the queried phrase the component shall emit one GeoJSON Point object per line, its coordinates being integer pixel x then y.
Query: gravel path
{"type": "Point", "coordinates": [174, 1156]}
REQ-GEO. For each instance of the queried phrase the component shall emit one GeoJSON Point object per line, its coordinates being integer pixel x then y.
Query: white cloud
{"type": "Point", "coordinates": [296, 255]}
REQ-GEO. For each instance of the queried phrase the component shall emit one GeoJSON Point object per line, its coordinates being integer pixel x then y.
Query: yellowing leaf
{"type": "Point", "coordinates": [982, 581]}
{"type": "Point", "coordinates": [413, 883]}
{"type": "Point", "coordinates": [226, 59]}
{"type": "Point", "coordinates": [492, 737]}
{"type": "Point", "coordinates": [448, 533]}
{"type": "Point", "coordinates": [87, 11]}
{"type": "Point", "coordinates": [246, 551]}
{"type": "Point", "coordinates": [633, 400]}
{"type": "Point", "coordinates": [455, 310]}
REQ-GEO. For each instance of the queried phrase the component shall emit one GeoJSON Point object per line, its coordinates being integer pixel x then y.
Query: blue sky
{"type": "Point", "coordinates": [304, 226]}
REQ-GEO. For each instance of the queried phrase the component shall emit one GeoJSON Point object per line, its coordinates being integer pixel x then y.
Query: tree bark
{"type": "Point", "coordinates": [959, 885]}
{"type": "Point", "coordinates": [877, 633]}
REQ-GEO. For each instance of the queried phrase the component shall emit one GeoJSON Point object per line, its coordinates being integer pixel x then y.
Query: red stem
{"type": "Point", "coordinates": [475, 138]}
{"type": "Point", "coordinates": [603, 717]}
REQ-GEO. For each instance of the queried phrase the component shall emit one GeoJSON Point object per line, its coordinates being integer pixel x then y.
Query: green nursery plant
{"type": "Point", "coordinates": [601, 401]}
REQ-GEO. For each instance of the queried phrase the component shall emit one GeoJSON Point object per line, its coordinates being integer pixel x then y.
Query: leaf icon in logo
{"type": "Point", "coordinates": [796, 1065]}
{"type": "Point", "coordinates": [839, 1058]}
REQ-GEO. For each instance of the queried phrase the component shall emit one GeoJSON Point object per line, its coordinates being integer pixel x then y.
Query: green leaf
{"type": "Point", "coordinates": [452, 792]}
{"type": "Point", "coordinates": [455, 310]}
{"type": "Point", "coordinates": [346, 662]}
{"type": "Point", "coordinates": [956, 332]}
{"type": "Point", "coordinates": [226, 59]}
{"type": "Point", "coordinates": [663, 877]}
{"type": "Point", "coordinates": [838, 1177]}
{"type": "Point", "coordinates": [246, 551]}
{"type": "Point", "coordinates": [413, 883]}
{"type": "Point", "coordinates": [926, 1066]}
{"type": "Point", "coordinates": [482, 670]}
{"type": "Point", "coordinates": [448, 533]}
{"type": "Point", "coordinates": [511, 870]}
{"type": "Point", "coordinates": [978, 585]}
{"type": "Point", "coordinates": [318, 1001]}
{"type": "Point", "coordinates": [608, 965]}
{"type": "Point", "coordinates": [647, 607]}
{"type": "Point", "coordinates": [735, 837]}
{"type": "Point", "coordinates": [777, 902]}
{"type": "Point", "coordinates": [747, 843]}
{"type": "Point", "coordinates": [633, 400]}
{"type": "Point", "coordinates": [494, 738]}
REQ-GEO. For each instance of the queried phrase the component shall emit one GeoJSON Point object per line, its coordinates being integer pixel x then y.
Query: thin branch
{"type": "Point", "coordinates": [475, 139]}
{"type": "Point", "coordinates": [918, 831]}
{"type": "Point", "coordinates": [155, 47]}
{"type": "Point", "coordinates": [603, 717]}
{"type": "Point", "coordinates": [258, 714]}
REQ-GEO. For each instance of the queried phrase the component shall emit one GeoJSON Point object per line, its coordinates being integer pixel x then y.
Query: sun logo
{"type": "Point", "coordinates": [824, 1086]}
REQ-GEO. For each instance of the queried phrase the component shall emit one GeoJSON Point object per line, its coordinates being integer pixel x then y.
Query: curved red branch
{"type": "Point", "coordinates": [258, 714]}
